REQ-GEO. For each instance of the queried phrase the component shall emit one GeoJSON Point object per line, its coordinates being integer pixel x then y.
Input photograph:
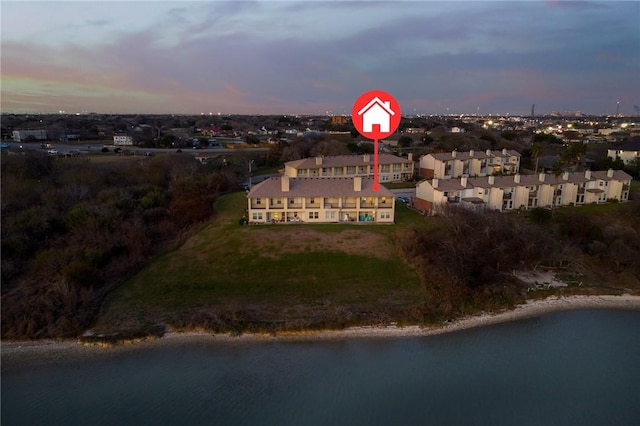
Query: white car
{"type": "Point", "coordinates": [53, 152]}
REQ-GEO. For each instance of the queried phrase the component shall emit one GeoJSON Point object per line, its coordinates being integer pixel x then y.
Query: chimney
{"type": "Point", "coordinates": [504, 151]}
{"type": "Point", "coordinates": [453, 153]}
{"type": "Point", "coordinates": [516, 178]}
{"type": "Point", "coordinates": [463, 181]}
{"type": "Point", "coordinates": [318, 161]}
{"type": "Point", "coordinates": [610, 173]}
{"type": "Point", "coordinates": [541, 177]}
{"type": "Point", "coordinates": [587, 174]}
{"type": "Point", "coordinates": [284, 183]}
{"type": "Point", "coordinates": [410, 156]}
{"type": "Point", "coordinates": [366, 158]}
{"type": "Point", "coordinates": [492, 180]}
{"type": "Point", "coordinates": [434, 182]}
{"type": "Point", "coordinates": [565, 176]}
{"type": "Point", "coordinates": [471, 152]}
{"type": "Point", "coordinates": [357, 184]}
{"type": "Point", "coordinates": [488, 152]}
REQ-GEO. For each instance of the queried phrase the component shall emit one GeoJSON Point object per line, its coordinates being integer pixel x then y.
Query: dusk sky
{"type": "Point", "coordinates": [282, 57]}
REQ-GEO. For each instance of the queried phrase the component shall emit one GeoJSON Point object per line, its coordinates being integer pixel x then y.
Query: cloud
{"type": "Point", "coordinates": [281, 55]}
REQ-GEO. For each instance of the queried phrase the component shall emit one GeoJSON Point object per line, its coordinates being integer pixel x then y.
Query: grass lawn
{"type": "Point", "coordinates": [276, 267]}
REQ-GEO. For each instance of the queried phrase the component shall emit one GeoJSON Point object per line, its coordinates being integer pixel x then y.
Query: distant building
{"type": "Point", "coordinates": [391, 168]}
{"type": "Point", "coordinates": [122, 140]}
{"type": "Point", "coordinates": [505, 193]}
{"type": "Point", "coordinates": [338, 119]}
{"type": "Point", "coordinates": [454, 164]}
{"type": "Point", "coordinates": [22, 135]}
{"type": "Point", "coordinates": [627, 152]}
{"type": "Point", "coordinates": [319, 200]}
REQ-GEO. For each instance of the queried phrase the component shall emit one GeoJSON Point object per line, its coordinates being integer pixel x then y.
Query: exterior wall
{"type": "Point", "coordinates": [546, 191]}
{"type": "Point", "coordinates": [21, 135]}
{"type": "Point", "coordinates": [290, 171]}
{"type": "Point", "coordinates": [626, 156]}
{"type": "Point", "coordinates": [486, 164]}
{"type": "Point", "coordinates": [321, 210]}
{"type": "Point", "coordinates": [122, 140]}
{"type": "Point", "coordinates": [397, 172]}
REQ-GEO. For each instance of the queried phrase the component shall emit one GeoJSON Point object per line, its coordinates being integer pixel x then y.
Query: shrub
{"type": "Point", "coordinates": [540, 215]}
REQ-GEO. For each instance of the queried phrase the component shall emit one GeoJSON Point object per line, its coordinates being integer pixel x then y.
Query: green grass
{"type": "Point", "coordinates": [227, 263]}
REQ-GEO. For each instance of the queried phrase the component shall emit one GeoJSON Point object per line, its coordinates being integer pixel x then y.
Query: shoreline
{"type": "Point", "coordinates": [16, 354]}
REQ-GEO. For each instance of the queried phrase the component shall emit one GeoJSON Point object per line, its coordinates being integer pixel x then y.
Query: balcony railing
{"type": "Point", "coordinates": [295, 205]}
{"type": "Point", "coordinates": [348, 205]}
{"type": "Point", "coordinates": [533, 194]}
{"type": "Point", "coordinates": [334, 205]}
{"type": "Point", "coordinates": [507, 196]}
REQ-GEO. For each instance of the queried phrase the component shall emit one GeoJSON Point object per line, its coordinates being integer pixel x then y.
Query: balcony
{"type": "Point", "coordinates": [533, 194]}
{"type": "Point", "coordinates": [295, 205]}
{"type": "Point", "coordinates": [366, 205]}
{"type": "Point", "coordinates": [625, 187]}
{"type": "Point", "coordinates": [507, 196]}
{"type": "Point", "coordinates": [331, 205]}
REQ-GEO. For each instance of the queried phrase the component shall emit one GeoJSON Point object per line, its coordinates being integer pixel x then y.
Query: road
{"type": "Point", "coordinates": [63, 148]}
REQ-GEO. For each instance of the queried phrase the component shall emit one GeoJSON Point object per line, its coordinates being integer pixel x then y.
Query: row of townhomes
{"type": "Point", "coordinates": [505, 193]}
{"type": "Point", "coordinates": [330, 189]}
{"type": "Point", "coordinates": [451, 165]}
{"type": "Point", "coordinates": [391, 168]}
{"type": "Point", "coordinates": [320, 200]}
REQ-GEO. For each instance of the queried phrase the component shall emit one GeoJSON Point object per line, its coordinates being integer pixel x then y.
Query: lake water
{"type": "Point", "coordinates": [568, 368]}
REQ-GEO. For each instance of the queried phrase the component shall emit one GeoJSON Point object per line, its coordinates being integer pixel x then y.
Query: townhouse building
{"type": "Point", "coordinates": [391, 168]}
{"type": "Point", "coordinates": [627, 152]}
{"type": "Point", "coordinates": [505, 193]}
{"type": "Point", "coordinates": [454, 164]}
{"type": "Point", "coordinates": [319, 200]}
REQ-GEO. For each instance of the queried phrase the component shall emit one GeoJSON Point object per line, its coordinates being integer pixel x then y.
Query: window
{"type": "Point", "coordinates": [257, 216]}
{"type": "Point", "coordinates": [312, 200]}
{"type": "Point", "coordinates": [329, 215]}
{"type": "Point", "coordinates": [258, 201]}
{"type": "Point", "coordinates": [313, 215]}
{"type": "Point", "coordinates": [385, 215]}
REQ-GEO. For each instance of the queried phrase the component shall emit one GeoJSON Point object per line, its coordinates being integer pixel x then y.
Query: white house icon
{"type": "Point", "coordinates": [376, 112]}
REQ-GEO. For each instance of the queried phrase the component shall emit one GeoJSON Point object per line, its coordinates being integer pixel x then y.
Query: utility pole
{"type": "Point", "coordinates": [250, 163]}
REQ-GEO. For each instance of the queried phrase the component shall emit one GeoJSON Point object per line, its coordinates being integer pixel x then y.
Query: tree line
{"type": "Point", "coordinates": [73, 229]}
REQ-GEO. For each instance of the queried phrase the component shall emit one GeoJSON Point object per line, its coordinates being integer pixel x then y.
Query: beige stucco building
{"type": "Point", "coordinates": [319, 200]}
{"type": "Point", "coordinates": [504, 193]}
{"type": "Point", "coordinates": [627, 152]}
{"type": "Point", "coordinates": [391, 168]}
{"type": "Point", "coordinates": [454, 164]}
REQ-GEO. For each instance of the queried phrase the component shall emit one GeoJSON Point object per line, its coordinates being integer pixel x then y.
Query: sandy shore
{"type": "Point", "coordinates": [16, 354]}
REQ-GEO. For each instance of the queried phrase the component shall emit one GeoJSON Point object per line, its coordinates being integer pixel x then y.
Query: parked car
{"type": "Point", "coordinates": [403, 199]}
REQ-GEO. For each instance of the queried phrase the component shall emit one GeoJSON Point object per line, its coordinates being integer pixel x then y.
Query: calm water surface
{"type": "Point", "coordinates": [570, 368]}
